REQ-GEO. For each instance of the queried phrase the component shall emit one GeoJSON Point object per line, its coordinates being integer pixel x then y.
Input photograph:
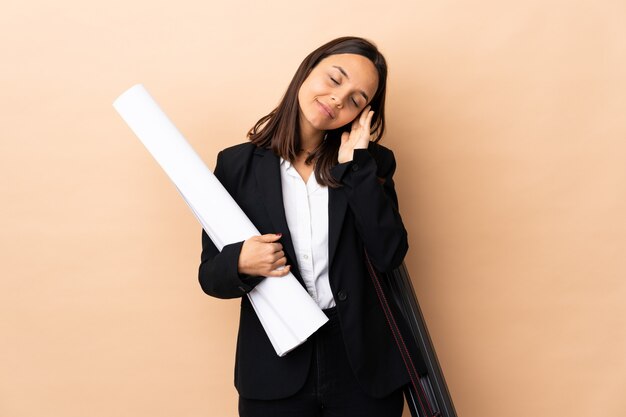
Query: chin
{"type": "Point", "coordinates": [317, 123]}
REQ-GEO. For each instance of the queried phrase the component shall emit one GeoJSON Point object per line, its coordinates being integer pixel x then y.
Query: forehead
{"type": "Point", "coordinates": [360, 70]}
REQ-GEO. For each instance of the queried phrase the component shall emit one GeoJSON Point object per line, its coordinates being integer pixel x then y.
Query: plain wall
{"type": "Point", "coordinates": [507, 121]}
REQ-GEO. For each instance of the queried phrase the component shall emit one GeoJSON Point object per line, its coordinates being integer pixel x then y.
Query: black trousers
{"type": "Point", "coordinates": [330, 389]}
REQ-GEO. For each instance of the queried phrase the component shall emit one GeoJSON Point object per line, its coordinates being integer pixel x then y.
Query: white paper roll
{"type": "Point", "coordinates": [286, 311]}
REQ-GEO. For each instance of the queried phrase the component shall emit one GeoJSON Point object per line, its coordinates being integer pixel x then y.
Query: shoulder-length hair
{"type": "Point", "coordinates": [280, 129]}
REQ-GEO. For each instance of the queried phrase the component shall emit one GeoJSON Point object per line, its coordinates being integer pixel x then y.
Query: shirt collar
{"type": "Point", "coordinates": [288, 168]}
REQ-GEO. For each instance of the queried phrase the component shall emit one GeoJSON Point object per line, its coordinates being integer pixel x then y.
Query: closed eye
{"type": "Point", "coordinates": [335, 81]}
{"type": "Point", "coordinates": [355, 103]}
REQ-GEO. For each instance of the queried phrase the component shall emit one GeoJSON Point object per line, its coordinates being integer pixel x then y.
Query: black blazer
{"type": "Point", "coordinates": [363, 213]}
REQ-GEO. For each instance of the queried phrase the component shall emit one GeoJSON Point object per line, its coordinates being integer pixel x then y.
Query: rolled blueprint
{"type": "Point", "coordinates": [287, 312]}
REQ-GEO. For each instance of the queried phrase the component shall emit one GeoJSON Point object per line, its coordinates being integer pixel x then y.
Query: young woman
{"type": "Point", "coordinates": [318, 186]}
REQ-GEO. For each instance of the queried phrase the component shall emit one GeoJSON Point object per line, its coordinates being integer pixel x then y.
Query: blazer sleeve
{"type": "Point", "coordinates": [218, 272]}
{"type": "Point", "coordinates": [369, 188]}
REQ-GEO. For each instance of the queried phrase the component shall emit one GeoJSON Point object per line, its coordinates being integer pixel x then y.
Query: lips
{"type": "Point", "coordinates": [326, 109]}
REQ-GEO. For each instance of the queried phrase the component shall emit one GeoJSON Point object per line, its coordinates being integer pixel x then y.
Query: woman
{"type": "Point", "coordinates": [321, 193]}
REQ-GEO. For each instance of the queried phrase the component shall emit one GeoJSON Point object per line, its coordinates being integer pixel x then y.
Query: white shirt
{"type": "Point", "coordinates": [306, 209]}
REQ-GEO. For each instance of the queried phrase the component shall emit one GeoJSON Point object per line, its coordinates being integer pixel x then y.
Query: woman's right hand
{"type": "Point", "coordinates": [261, 255]}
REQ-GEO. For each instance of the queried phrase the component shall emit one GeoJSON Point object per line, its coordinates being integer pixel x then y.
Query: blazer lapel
{"type": "Point", "coordinates": [337, 205]}
{"type": "Point", "coordinates": [267, 173]}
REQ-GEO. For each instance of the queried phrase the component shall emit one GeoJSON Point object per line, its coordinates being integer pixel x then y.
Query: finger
{"type": "Point", "coordinates": [279, 272]}
{"type": "Point", "coordinates": [270, 237]}
{"type": "Point", "coordinates": [368, 121]}
{"type": "Point", "coordinates": [276, 247]}
{"type": "Point", "coordinates": [278, 255]}
{"type": "Point", "coordinates": [353, 132]}
{"type": "Point", "coordinates": [286, 270]}
{"type": "Point", "coordinates": [364, 115]}
{"type": "Point", "coordinates": [278, 263]}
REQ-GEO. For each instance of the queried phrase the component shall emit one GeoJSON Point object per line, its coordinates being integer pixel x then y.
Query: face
{"type": "Point", "coordinates": [337, 90]}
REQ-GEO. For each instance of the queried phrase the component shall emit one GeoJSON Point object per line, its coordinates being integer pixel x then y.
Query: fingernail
{"type": "Point", "coordinates": [279, 234]}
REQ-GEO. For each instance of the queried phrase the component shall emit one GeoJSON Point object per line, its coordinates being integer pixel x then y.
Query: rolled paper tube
{"type": "Point", "coordinates": [287, 312]}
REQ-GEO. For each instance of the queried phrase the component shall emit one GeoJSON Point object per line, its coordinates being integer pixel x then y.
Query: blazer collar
{"type": "Point", "coordinates": [267, 173]}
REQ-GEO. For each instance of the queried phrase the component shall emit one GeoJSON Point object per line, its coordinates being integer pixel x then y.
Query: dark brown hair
{"type": "Point", "coordinates": [280, 129]}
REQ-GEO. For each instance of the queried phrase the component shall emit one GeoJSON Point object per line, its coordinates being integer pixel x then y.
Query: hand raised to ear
{"type": "Point", "coordinates": [358, 137]}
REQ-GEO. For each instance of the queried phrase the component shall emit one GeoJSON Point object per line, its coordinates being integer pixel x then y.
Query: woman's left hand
{"type": "Point", "coordinates": [357, 138]}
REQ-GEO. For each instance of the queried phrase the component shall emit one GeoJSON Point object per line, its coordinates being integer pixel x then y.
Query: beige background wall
{"type": "Point", "coordinates": [507, 119]}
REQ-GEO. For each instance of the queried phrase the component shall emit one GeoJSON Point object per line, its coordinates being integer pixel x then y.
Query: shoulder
{"type": "Point", "coordinates": [234, 163]}
{"type": "Point", "coordinates": [238, 156]}
{"type": "Point", "coordinates": [237, 152]}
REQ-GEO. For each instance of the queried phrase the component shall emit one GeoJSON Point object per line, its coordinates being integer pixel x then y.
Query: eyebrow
{"type": "Point", "coordinates": [346, 75]}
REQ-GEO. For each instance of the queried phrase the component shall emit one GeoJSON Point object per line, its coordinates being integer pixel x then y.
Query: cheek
{"type": "Point", "coordinates": [316, 86]}
{"type": "Point", "coordinates": [348, 117]}
{"type": "Point", "coordinates": [302, 91]}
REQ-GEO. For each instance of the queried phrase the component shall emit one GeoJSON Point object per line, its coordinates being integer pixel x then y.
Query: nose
{"type": "Point", "coordinates": [337, 102]}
